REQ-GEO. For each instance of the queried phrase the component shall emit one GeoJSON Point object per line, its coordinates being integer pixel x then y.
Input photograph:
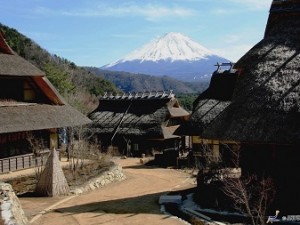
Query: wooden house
{"type": "Point", "coordinates": [138, 123]}
{"type": "Point", "coordinates": [31, 110]}
{"type": "Point", "coordinates": [264, 113]}
{"type": "Point", "coordinates": [206, 108]}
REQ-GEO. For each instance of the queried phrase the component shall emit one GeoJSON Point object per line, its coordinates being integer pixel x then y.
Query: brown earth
{"type": "Point", "coordinates": [131, 201]}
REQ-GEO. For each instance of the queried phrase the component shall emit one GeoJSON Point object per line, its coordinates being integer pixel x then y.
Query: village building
{"type": "Point", "coordinates": [206, 108]}
{"type": "Point", "coordinates": [31, 112]}
{"type": "Point", "coordinates": [264, 113]}
{"type": "Point", "coordinates": [138, 123]}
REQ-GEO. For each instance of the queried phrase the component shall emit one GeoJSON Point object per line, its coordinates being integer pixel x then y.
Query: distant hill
{"type": "Point", "coordinates": [173, 55]}
{"type": "Point", "coordinates": [129, 82]}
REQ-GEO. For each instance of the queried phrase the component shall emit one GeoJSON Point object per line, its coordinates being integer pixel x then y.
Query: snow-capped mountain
{"type": "Point", "coordinates": [174, 55]}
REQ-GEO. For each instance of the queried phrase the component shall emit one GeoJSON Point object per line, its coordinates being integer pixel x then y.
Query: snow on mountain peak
{"type": "Point", "coordinates": [172, 46]}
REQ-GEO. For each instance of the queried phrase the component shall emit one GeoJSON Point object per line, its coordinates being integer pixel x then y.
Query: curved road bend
{"type": "Point", "coordinates": [133, 201]}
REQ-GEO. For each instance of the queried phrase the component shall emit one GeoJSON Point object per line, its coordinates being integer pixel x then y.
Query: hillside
{"type": "Point", "coordinates": [77, 85]}
{"type": "Point", "coordinates": [129, 82]}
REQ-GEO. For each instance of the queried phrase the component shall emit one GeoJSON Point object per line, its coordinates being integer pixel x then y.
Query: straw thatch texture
{"type": "Point", "coordinates": [211, 103]}
{"type": "Point", "coordinates": [14, 65]}
{"type": "Point", "coordinates": [266, 103]}
{"type": "Point", "coordinates": [52, 181]}
{"type": "Point", "coordinates": [26, 117]}
{"type": "Point", "coordinates": [135, 116]}
{"type": "Point", "coordinates": [18, 116]}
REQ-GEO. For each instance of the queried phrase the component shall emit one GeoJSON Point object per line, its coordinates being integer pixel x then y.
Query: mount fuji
{"type": "Point", "coordinates": [173, 55]}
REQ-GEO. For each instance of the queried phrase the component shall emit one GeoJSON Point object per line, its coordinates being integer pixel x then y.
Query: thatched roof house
{"type": "Point", "coordinates": [151, 115]}
{"type": "Point", "coordinates": [211, 103]}
{"type": "Point", "coordinates": [138, 114]}
{"type": "Point", "coordinates": [265, 106]}
{"type": "Point", "coordinates": [28, 103]}
{"type": "Point", "coordinates": [264, 113]}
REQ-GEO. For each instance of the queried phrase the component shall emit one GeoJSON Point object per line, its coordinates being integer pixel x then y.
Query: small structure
{"type": "Point", "coordinates": [52, 181]}
{"type": "Point", "coordinates": [138, 123]}
{"type": "Point", "coordinates": [31, 111]}
{"type": "Point", "coordinates": [264, 114]}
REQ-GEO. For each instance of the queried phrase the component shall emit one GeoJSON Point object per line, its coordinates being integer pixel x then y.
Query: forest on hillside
{"type": "Point", "coordinates": [129, 82]}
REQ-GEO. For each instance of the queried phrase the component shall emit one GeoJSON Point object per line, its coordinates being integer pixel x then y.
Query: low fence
{"type": "Point", "coordinates": [22, 162]}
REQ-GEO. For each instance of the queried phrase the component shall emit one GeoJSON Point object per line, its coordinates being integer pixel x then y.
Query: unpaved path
{"type": "Point", "coordinates": [133, 201]}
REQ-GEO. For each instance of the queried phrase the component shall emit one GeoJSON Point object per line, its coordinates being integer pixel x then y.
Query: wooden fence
{"type": "Point", "coordinates": [22, 162]}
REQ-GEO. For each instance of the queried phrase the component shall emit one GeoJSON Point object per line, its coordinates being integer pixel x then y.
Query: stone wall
{"type": "Point", "coordinates": [10, 207]}
{"type": "Point", "coordinates": [113, 174]}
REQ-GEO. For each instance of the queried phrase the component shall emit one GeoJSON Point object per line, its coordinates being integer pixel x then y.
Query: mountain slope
{"type": "Point", "coordinates": [129, 82]}
{"type": "Point", "coordinates": [173, 55]}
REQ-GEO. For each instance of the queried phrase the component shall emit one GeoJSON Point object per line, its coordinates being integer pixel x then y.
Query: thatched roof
{"type": "Point", "coordinates": [136, 114]}
{"type": "Point", "coordinates": [14, 65]}
{"type": "Point", "coordinates": [18, 116]}
{"type": "Point", "coordinates": [27, 117]}
{"type": "Point", "coordinates": [211, 103]}
{"type": "Point", "coordinates": [265, 106]}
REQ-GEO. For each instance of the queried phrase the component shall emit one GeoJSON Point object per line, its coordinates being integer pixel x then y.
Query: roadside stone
{"type": "Point", "coordinates": [102, 182]}
{"type": "Point", "coordinates": [76, 191]}
{"type": "Point", "coordinates": [11, 210]}
{"type": "Point", "coordinates": [92, 187]}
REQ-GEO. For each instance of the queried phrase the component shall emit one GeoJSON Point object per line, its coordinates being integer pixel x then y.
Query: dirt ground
{"type": "Point", "coordinates": [133, 201]}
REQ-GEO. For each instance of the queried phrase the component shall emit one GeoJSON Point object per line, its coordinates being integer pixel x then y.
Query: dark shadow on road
{"type": "Point", "coordinates": [136, 205]}
{"type": "Point", "coordinates": [150, 164]}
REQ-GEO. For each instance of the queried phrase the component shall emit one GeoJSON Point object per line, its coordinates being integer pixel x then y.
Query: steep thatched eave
{"type": "Point", "coordinates": [210, 104]}
{"type": "Point", "coordinates": [205, 113]}
{"type": "Point", "coordinates": [266, 103]}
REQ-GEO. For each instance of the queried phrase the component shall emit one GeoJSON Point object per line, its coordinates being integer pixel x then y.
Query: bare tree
{"type": "Point", "coordinates": [208, 165]}
{"type": "Point", "coordinates": [251, 194]}
{"type": "Point", "coordinates": [37, 146]}
{"type": "Point", "coordinates": [75, 148]}
{"type": "Point", "coordinates": [80, 149]}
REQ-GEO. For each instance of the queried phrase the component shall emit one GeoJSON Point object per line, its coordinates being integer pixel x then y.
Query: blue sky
{"type": "Point", "coordinates": [97, 32]}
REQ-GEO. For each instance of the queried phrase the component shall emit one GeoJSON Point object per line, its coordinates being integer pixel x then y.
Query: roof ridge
{"type": "Point", "coordinates": [139, 95]}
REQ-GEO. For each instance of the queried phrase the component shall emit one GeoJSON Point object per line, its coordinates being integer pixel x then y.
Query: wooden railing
{"type": "Point", "coordinates": [22, 162]}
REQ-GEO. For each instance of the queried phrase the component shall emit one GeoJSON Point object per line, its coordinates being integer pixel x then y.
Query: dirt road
{"type": "Point", "coordinates": [133, 201]}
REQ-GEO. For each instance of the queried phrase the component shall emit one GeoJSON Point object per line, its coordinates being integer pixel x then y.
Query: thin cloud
{"type": "Point", "coordinates": [238, 6]}
{"type": "Point", "coordinates": [125, 36]}
{"type": "Point", "coordinates": [254, 4]}
{"type": "Point", "coordinates": [231, 39]}
{"type": "Point", "coordinates": [150, 12]}
{"type": "Point", "coordinates": [223, 11]}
